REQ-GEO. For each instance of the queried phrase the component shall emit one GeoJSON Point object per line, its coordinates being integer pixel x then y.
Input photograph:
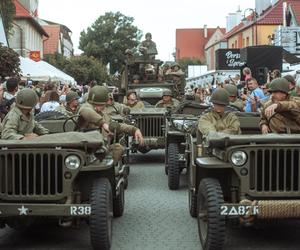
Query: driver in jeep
{"type": "Point", "coordinates": [281, 113]}
{"type": "Point", "coordinates": [218, 120]}
{"type": "Point", "coordinates": [92, 115]}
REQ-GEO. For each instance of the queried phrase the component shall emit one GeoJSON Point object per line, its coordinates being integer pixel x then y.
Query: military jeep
{"type": "Point", "coordinates": [66, 176]}
{"type": "Point", "coordinates": [180, 122]}
{"type": "Point", "coordinates": [243, 178]}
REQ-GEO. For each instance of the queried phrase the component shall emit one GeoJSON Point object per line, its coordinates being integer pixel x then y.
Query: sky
{"type": "Point", "coordinates": [159, 17]}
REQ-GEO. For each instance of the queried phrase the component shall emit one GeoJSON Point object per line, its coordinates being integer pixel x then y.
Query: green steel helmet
{"type": "Point", "coordinates": [279, 85]}
{"type": "Point", "coordinates": [148, 34]}
{"type": "Point", "coordinates": [290, 79]}
{"type": "Point", "coordinates": [220, 96]}
{"type": "Point", "coordinates": [231, 89]}
{"type": "Point", "coordinates": [26, 99]}
{"type": "Point", "coordinates": [72, 95]}
{"type": "Point", "coordinates": [98, 95]}
{"type": "Point", "coordinates": [167, 92]}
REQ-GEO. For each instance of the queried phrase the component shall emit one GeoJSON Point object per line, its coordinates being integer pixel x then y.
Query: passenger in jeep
{"type": "Point", "coordinates": [218, 120]}
{"type": "Point", "coordinates": [19, 124]}
{"type": "Point", "coordinates": [281, 114]}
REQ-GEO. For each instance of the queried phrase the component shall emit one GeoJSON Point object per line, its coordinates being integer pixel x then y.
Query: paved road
{"type": "Point", "coordinates": [155, 218]}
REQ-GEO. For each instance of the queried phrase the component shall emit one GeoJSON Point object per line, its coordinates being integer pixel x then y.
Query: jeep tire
{"type": "Point", "coordinates": [173, 166]}
{"type": "Point", "coordinates": [211, 224]}
{"type": "Point", "coordinates": [101, 214]}
{"type": "Point", "coordinates": [119, 201]}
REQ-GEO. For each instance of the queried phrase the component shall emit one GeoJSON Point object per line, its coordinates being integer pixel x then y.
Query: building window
{"type": "Point", "coordinates": [244, 42]}
{"type": "Point", "coordinates": [235, 44]}
{"type": "Point", "coordinates": [247, 41]}
{"type": "Point", "coordinates": [232, 45]}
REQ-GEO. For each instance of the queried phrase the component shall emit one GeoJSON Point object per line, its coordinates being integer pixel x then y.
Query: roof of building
{"type": "Point", "coordinates": [51, 44]}
{"type": "Point", "coordinates": [191, 42]}
{"type": "Point", "coordinates": [271, 16]}
{"type": "Point", "coordinates": [23, 13]}
{"type": "Point", "coordinates": [54, 23]}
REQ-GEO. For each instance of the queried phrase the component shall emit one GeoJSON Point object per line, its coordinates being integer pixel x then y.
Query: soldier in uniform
{"type": "Point", "coordinates": [218, 120]}
{"type": "Point", "coordinates": [92, 115]}
{"type": "Point", "coordinates": [133, 102]}
{"type": "Point", "coordinates": [167, 100]}
{"type": "Point", "coordinates": [114, 108]}
{"type": "Point", "coordinates": [148, 47]}
{"type": "Point", "coordinates": [71, 106]}
{"type": "Point", "coordinates": [233, 99]}
{"type": "Point", "coordinates": [19, 124]}
{"type": "Point", "coordinates": [282, 107]}
{"type": "Point", "coordinates": [292, 85]}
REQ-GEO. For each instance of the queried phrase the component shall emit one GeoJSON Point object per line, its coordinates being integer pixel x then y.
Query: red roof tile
{"type": "Point", "coordinates": [22, 12]}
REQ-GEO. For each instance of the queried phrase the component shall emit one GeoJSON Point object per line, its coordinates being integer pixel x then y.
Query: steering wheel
{"type": "Point", "coordinates": [74, 120]}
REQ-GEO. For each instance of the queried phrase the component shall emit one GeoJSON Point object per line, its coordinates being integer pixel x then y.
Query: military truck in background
{"type": "Point", "coordinates": [242, 178]}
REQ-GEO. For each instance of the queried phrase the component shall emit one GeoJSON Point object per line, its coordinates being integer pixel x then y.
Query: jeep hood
{"type": "Point", "coordinates": [75, 140]}
{"type": "Point", "coordinates": [221, 140]}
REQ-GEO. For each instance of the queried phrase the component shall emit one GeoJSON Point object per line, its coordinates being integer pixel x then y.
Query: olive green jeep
{"type": "Point", "coordinates": [243, 178]}
{"type": "Point", "coordinates": [180, 122]}
{"type": "Point", "coordinates": [67, 176]}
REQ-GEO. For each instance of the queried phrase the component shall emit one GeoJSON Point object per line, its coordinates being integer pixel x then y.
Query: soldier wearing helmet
{"type": "Point", "coordinates": [93, 115]}
{"type": "Point", "coordinates": [113, 107]}
{"type": "Point", "coordinates": [217, 119]}
{"type": "Point", "coordinates": [132, 102]}
{"type": "Point", "coordinates": [19, 124]}
{"type": "Point", "coordinates": [233, 97]}
{"type": "Point", "coordinates": [167, 100]}
{"type": "Point", "coordinates": [71, 106]}
{"type": "Point", "coordinates": [281, 112]}
{"type": "Point", "coordinates": [148, 47]}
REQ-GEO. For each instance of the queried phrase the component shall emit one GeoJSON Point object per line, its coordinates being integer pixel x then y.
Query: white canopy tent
{"type": "Point", "coordinates": [42, 71]}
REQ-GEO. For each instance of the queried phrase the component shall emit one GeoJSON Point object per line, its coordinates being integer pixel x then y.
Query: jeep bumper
{"type": "Point", "coordinates": [57, 210]}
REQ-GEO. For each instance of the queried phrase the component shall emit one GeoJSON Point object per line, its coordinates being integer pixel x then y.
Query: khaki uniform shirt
{"type": "Point", "coordinates": [238, 103]}
{"type": "Point", "coordinates": [115, 108]}
{"type": "Point", "coordinates": [89, 119]}
{"type": "Point", "coordinates": [16, 125]}
{"type": "Point", "coordinates": [137, 105]}
{"type": "Point", "coordinates": [173, 104]}
{"type": "Point", "coordinates": [285, 117]}
{"type": "Point", "coordinates": [212, 121]}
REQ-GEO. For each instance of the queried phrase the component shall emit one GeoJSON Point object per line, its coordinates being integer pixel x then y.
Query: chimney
{"type": "Point", "coordinates": [284, 8]}
{"type": "Point", "coordinates": [205, 30]}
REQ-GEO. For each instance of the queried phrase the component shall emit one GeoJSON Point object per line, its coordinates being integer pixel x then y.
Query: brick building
{"type": "Point", "coordinates": [190, 43]}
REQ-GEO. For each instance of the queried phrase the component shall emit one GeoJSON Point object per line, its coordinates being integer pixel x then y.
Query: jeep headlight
{"type": "Point", "coordinates": [238, 158]}
{"type": "Point", "coordinates": [72, 162]}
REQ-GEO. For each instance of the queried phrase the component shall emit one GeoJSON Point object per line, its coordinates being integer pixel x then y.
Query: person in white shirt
{"type": "Point", "coordinates": [53, 102]}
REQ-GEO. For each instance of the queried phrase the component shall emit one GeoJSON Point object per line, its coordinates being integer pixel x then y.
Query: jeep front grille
{"type": "Point", "coordinates": [30, 174]}
{"type": "Point", "coordinates": [151, 126]}
{"type": "Point", "coordinates": [275, 170]}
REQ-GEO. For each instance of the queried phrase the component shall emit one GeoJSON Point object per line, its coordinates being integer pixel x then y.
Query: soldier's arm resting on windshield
{"type": "Point", "coordinates": [132, 130]}
{"type": "Point", "coordinates": [288, 105]}
{"type": "Point", "coordinates": [39, 129]}
{"type": "Point", "coordinates": [205, 125]}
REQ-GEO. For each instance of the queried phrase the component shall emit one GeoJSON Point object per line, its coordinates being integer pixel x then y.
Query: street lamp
{"type": "Point", "coordinates": [254, 19]}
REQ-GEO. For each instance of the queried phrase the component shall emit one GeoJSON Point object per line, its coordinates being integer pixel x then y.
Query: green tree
{"type": "Point", "coordinates": [9, 62]}
{"type": "Point", "coordinates": [57, 60]}
{"type": "Point", "coordinates": [85, 69]}
{"type": "Point", "coordinates": [186, 61]}
{"type": "Point", "coordinates": [108, 38]}
{"type": "Point", "coordinates": [8, 12]}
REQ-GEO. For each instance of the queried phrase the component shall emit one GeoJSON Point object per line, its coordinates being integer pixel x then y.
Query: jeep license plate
{"type": "Point", "coordinates": [238, 210]}
{"type": "Point", "coordinates": [80, 210]}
